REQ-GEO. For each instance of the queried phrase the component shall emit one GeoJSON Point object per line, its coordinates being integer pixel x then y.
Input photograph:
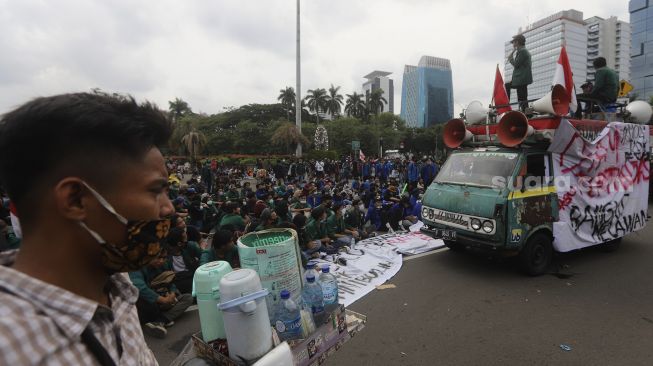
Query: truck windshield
{"type": "Point", "coordinates": [477, 168]}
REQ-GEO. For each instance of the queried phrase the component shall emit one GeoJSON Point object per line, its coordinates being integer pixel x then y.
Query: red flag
{"type": "Point", "coordinates": [361, 155]}
{"type": "Point", "coordinates": [565, 77]}
{"type": "Point", "coordinates": [499, 94]}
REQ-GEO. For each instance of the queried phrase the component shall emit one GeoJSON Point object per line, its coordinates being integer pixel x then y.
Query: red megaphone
{"type": "Point", "coordinates": [455, 133]}
{"type": "Point", "coordinates": [513, 128]}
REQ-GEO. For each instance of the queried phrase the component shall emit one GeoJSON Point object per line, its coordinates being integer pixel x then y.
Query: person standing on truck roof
{"type": "Point", "coordinates": [522, 76]}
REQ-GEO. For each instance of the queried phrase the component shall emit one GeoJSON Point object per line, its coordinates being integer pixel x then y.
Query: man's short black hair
{"type": "Point", "coordinates": [175, 236]}
{"type": "Point", "coordinates": [599, 62]}
{"type": "Point", "coordinates": [221, 238]}
{"type": "Point", "coordinates": [90, 135]}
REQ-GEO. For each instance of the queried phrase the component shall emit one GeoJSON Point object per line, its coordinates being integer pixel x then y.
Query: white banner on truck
{"type": "Point", "coordinates": [602, 184]}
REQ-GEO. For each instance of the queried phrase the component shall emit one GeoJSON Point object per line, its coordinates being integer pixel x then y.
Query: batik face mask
{"type": "Point", "coordinates": [142, 245]}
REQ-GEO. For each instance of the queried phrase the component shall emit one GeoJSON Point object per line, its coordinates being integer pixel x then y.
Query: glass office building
{"type": "Point", "coordinates": [427, 92]}
{"type": "Point", "coordinates": [641, 50]}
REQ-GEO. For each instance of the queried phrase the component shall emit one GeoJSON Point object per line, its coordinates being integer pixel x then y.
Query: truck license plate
{"type": "Point", "coordinates": [445, 234]}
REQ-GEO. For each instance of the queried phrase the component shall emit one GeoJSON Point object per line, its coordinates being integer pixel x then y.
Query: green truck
{"type": "Point", "coordinates": [513, 188]}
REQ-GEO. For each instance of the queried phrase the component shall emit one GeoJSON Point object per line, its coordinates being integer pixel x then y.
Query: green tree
{"type": "Point", "coordinates": [287, 136]}
{"type": "Point", "coordinates": [179, 108]}
{"type": "Point", "coordinates": [355, 105]}
{"type": "Point", "coordinates": [316, 100]}
{"type": "Point", "coordinates": [287, 98]}
{"type": "Point", "coordinates": [193, 142]}
{"type": "Point", "coordinates": [375, 101]}
{"type": "Point", "coordinates": [334, 101]}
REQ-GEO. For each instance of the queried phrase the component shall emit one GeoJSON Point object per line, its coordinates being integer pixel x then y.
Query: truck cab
{"type": "Point", "coordinates": [495, 199]}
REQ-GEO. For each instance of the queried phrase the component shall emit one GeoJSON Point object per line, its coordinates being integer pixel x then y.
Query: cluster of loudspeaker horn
{"type": "Point", "coordinates": [513, 127]}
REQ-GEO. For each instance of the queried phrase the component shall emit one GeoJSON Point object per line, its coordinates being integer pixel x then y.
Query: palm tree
{"type": "Point", "coordinates": [355, 106]}
{"type": "Point", "coordinates": [194, 143]}
{"type": "Point", "coordinates": [375, 101]}
{"type": "Point", "coordinates": [178, 108]}
{"type": "Point", "coordinates": [334, 101]}
{"type": "Point", "coordinates": [316, 101]}
{"type": "Point", "coordinates": [287, 98]}
{"type": "Point", "coordinates": [288, 136]}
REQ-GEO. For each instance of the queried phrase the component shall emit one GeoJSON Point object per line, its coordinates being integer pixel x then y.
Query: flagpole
{"type": "Point", "coordinates": [298, 93]}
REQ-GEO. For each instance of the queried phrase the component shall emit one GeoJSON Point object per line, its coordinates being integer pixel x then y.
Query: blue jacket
{"type": "Point", "coordinates": [374, 215]}
{"type": "Point", "coordinates": [413, 172]}
{"type": "Point", "coordinates": [366, 169]}
{"type": "Point", "coordinates": [428, 172]}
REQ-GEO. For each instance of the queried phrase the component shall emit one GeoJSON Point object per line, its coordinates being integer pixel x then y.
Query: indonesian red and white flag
{"type": "Point", "coordinates": [361, 155]}
{"type": "Point", "coordinates": [15, 224]}
{"type": "Point", "coordinates": [565, 77]}
{"type": "Point", "coordinates": [499, 95]}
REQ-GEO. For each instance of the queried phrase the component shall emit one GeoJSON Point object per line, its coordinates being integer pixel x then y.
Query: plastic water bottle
{"type": "Point", "coordinates": [329, 285]}
{"type": "Point", "coordinates": [352, 243]}
{"type": "Point", "coordinates": [311, 270]}
{"type": "Point", "coordinates": [314, 299]}
{"type": "Point", "coordinates": [287, 318]}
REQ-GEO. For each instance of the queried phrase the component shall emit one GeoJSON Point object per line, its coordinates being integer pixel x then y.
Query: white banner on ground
{"type": "Point", "coordinates": [603, 193]}
{"type": "Point", "coordinates": [373, 262]}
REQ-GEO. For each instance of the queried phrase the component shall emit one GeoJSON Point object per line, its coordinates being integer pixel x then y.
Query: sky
{"type": "Point", "coordinates": [222, 53]}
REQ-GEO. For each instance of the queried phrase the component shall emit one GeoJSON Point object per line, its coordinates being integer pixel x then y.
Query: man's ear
{"type": "Point", "coordinates": [69, 196]}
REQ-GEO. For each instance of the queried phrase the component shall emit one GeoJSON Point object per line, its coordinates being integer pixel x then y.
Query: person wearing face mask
{"type": "Point", "coordinates": [374, 214]}
{"type": "Point", "coordinates": [299, 206]}
{"type": "Point", "coordinates": [96, 208]}
{"type": "Point", "coordinates": [183, 257]}
{"type": "Point", "coordinates": [316, 228]}
{"type": "Point", "coordinates": [159, 300]}
{"type": "Point", "coordinates": [336, 228]}
{"type": "Point", "coordinates": [354, 219]}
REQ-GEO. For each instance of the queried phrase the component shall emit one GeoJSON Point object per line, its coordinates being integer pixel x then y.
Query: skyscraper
{"type": "Point", "coordinates": [544, 39]}
{"type": "Point", "coordinates": [641, 51]}
{"type": "Point", "coordinates": [427, 92]}
{"type": "Point", "coordinates": [379, 80]}
{"type": "Point", "coordinates": [609, 38]}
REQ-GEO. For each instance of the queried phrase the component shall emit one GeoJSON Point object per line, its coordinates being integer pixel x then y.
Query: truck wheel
{"type": "Point", "coordinates": [611, 246]}
{"type": "Point", "coordinates": [454, 247]}
{"type": "Point", "coordinates": [536, 256]}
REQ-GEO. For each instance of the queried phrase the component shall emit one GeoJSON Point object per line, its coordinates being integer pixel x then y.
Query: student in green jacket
{"type": "Point", "coordinates": [232, 217]}
{"type": "Point", "coordinates": [316, 228]}
{"type": "Point", "coordinates": [223, 248]}
{"type": "Point", "coordinates": [159, 302]}
{"type": "Point", "coordinates": [522, 75]}
{"type": "Point", "coordinates": [183, 258]}
{"type": "Point", "coordinates": [606, 82]}
{"type": "Point", "coordinates": [336, 228]}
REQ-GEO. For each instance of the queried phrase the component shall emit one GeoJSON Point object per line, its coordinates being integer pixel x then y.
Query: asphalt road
{"type": "Point", "coordinates": [460, 309]}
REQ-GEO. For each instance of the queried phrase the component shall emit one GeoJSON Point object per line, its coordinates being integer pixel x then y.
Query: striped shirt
{"type": "Point", "coordinates": [41, 324]}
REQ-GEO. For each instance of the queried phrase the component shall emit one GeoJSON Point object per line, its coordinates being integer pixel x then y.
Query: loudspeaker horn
{"type": "Point", "coordinates": [639, 112]}
{"type": "Point", "coordinates": [455, 133]}
{"type": "Point", "coordinates": [513, 128]}
{"type": "Point", "coordinates": [555, 102]}
{"type": "Point", "coordinates": [475, 113]}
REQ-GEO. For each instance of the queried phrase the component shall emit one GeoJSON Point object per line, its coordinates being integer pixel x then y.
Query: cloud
{"type": "Point", "coordinates": [221, 53]}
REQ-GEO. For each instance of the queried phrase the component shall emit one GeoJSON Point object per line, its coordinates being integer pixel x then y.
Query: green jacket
{"type": "Point", "coordinates": [335, 225]}
{"type": "Point", "coordinates": [315, 230]}
{"type": "Point", "coordinates": [231, 257]}
{"type": "Point", "coordinates": [191, 255]}
{"type": "Point", "coordinates": [142, 278]}
{"type": "Point", "coordinates": [232, 196]}
{"type": "Point", "coordinates": [233, 219]}
{"type": "Point", "coordinates": [521, 61]}
{"type": "Point", "coordinates": [606, 84]}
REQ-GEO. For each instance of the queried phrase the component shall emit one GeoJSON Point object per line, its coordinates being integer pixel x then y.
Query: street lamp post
{"type": "Point", "coordinates": [298, 93]}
